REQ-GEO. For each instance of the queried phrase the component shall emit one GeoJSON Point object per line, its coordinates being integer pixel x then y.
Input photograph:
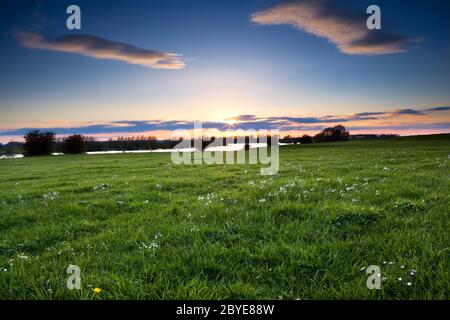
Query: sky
{"type": "Point", "coordinates": [151, 67]}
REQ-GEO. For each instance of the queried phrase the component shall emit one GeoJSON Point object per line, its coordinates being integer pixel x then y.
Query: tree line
{"type": "Point", "coordinates": [45, 142]}
{"type": "Point", "coordinates": [39, 143]}
{"type": "Point", "coordinates": [332, 134]}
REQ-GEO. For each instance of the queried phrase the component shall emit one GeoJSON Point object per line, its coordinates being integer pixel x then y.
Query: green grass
{"type": "Point", "coordinates": [141, 227]}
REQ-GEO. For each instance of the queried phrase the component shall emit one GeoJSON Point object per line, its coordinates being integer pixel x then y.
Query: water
{"type": "Point", "coordinates": [231, 147]}
{"type": "Point", "coordinates": [11, 156]}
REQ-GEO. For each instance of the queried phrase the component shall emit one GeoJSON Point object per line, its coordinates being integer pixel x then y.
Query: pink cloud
{"type": "Point", "coordinates": [346, 29]}
{"type": "Point", "coordinates": [99, 48]}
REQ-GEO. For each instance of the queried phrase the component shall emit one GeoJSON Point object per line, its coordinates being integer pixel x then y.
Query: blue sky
{"type": "Point", "coordinates": [229, 64]}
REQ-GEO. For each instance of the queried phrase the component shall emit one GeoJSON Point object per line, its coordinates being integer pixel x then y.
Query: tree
{"type": "Point", "coordinates": [39, 143]}
{"type": "Point", "coordinates": [75, 144]}
{"type": "Point", "coordinates": [305, 139]}
{"type": "Point", "coordinates": [11, 148]}
{"type": "Point", "coordinates": [337, 133]}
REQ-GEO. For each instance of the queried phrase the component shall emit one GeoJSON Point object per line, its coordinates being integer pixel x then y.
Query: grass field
{"type": "Point", "coordinates": [141, 227]}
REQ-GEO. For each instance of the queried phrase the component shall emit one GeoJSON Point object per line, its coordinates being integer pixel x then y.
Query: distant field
{"type": "Point", "coordinates": [141, 227]}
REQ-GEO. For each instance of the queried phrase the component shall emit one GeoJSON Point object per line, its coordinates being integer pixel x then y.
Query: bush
{"type": "Point", "coordinates": [337, 133]}
{"type": "Point", "coordinates": [306, 139]}
{"type": "Point", "coordinates": [39, 143]}
{"type": "Point", "coordinates": [75, 144]}
{"type": "Point", "coordinates": [11, 148]}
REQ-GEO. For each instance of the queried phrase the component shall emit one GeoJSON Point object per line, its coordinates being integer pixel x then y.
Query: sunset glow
{"type": "Point", "coordinates": [281, 64]}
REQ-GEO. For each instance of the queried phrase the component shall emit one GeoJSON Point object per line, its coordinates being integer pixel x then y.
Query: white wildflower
{"type": "Point", "coordinates": [51, 195]}
{"type": "Point", "coordinates": [154, 245]}
{"type": "Point", "coordinates": [102, 187]}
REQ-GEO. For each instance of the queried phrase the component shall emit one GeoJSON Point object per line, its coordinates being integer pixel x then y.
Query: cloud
{"type": "Point", "coordinates": [99, 48]}
{"type": "Point", "coordinates": [444, 126]}
{"type": "Point", "coordinates": [344, 28]}
{"type": "Point", "coordinates": [410, 112]}
{"type": "Point", "coordinates": [437, 109]}
{"type": "Point", "coordinates": [399, 119]}
{"type": "Point", "coordinates": [244, 117]}
{"type": "Point", "coordinates": [365, 114]}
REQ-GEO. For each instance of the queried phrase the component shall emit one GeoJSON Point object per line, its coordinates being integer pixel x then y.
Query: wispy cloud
{"type": "Point", "coordinates": [439, 109]}
{"type": "Point", "coordinates": [362, 116]}
{"type": "Point", "coordinates": [344, 28]}
{"type": "Point", "coordinates": [100, 48]}
{"type": "Point", "coordinates": [410, 112]}
{"type": "Point", "coordinates": [400, 119]}
{"type": "Point", "coordinates": [244, 117]}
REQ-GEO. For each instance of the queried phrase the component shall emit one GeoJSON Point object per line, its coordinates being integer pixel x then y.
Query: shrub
{"type": "Point", "coordinates": [75, 144]}
{"type": "Point", "coordinates": [39, 143]}
{"type": "Point", "coordinates": [337, 133]}
{"type": "Point", "coordinates": [306, 139]}
{"type": "Point", "coordinates": [11, 148]}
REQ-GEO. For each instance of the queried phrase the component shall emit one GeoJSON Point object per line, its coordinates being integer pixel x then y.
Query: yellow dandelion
{"type": "Point", "coordinates": [97, 290]}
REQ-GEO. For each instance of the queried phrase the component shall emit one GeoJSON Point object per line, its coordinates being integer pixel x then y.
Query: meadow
{"type": "Point", "coordinates": [140, 227]}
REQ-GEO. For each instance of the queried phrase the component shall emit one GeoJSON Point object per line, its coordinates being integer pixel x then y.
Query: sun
{"type": "Point", "coordinates": [230, 123]}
